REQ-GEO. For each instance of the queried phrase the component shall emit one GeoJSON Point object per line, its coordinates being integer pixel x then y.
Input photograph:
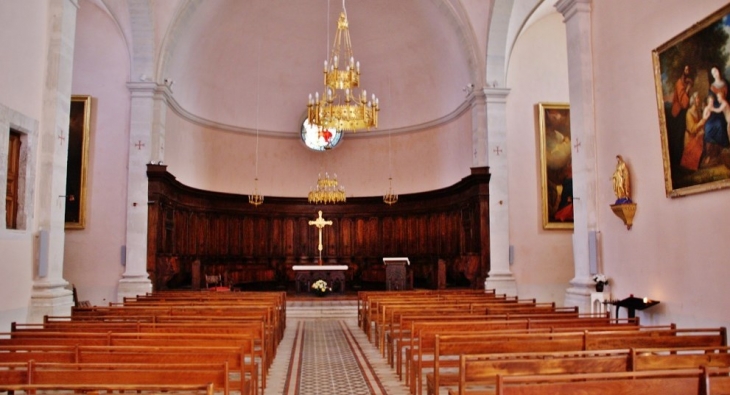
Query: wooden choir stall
{"type": "Point", "coordinates": [193, 233]}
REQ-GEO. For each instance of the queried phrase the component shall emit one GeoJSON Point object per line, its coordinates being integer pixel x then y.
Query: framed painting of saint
{"type": "Point", "coordinates": [556, 165]}
{"type": "Point", "coordinates": [78, 157]}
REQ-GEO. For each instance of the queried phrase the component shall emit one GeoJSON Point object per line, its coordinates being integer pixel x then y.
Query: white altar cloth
{"type": "Point", "coordinates": [319, 267]}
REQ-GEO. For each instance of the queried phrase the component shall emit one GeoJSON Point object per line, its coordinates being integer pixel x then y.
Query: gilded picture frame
{"type": "Point", "coordinates": [78, 161]}
{"type": "Point", "coordinates": [691, 72]}
{"type": "Point", "coordinates": [556, 164]}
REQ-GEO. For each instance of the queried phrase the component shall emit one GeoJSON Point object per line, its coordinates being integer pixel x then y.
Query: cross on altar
{"type": "Point", "coordinates": [320, 223]}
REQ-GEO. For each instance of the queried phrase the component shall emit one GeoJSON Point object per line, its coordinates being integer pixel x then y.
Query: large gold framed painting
{"type": "Point", "coordinates": [556, 165]}
{"type": "Point", "coordinates": [691, 76]}
{"type": "Point", "coordinates": [78, 161]}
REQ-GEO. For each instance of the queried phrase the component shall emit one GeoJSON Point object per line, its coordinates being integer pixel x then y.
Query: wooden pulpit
{"type": "Point", "coordinates": [396, 274]}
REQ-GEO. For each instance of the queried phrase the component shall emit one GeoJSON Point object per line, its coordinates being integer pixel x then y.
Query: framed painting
{"type": "Point", "coordinates": [691, 77]}
{"type": "Point", "coordinates": [78, 158]}
{"type": "Point", "coordinates": [556, 165]}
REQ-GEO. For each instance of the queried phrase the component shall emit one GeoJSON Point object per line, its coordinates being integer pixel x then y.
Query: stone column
{"type": "Point", "coordinates": [577, 18]}
{"type": "Point", "coordinates": [49, 295]}
{"type": "Point", "coordinates": [146, 144]}
{"type": "Point", "coordinates": [500, 277]}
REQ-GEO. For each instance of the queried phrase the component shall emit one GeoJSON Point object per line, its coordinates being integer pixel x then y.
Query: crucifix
{"type": "Point", "coordinates": [320, 223]}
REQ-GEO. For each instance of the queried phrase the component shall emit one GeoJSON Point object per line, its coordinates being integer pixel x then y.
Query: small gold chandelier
{"type": "Point", "coordinates": [340, 108]}
{"type": "Point", "coordinates": [327, 191]}
{"type": "Point", "coordinates": [390, 198]}
{"type": "Point", "coordinates": [256, 198]}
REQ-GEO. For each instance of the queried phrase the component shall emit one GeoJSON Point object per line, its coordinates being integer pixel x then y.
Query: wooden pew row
{"type": "Point", "coordinates": [363, 297]}
{"type": "Point", "coordinates": [446, 346]}
{"type": "Point", "coordinates": [452, 323]}
{"type": "Point", "coordinates": [431, 327]}
{"type": "Point", "coordinates": [255, 328]}
{"type": "Point", "coordinates": [240, 360]}
{"type": "Point", "coordinates": [383, 309]}
{"type": "Point", "coordinates": [274, 331]}
{"type": "Point", "coordinates": [263, 343]}
{"type": "Point", "coordinates": [187, 340]}
{"type": "Point", "coordinates": [59, 374]}
{"type": "Point", "coordinates": [477, 374]}
{"type": "Point", "coordinates": [374, 306]}
{"type": "Point", "coordinates": [368, 302]}
{"type": "Point", "coordinates": [275, 299]}
{"type": "Point", "coordinates": [272, 318]}
{"type": "Point", "coordinates": [386, 318]}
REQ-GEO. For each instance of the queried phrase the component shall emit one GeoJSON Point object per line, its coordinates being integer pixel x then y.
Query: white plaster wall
{"type": "Point", "coordinates": [92, 259]}
{"type": "Point", "coordinates": [677, 251]}
{"type": "Point", "coordinates": [22, 71]}
{"type": "Point", "coordinates": [225, 161]}
{"type": "Point", "coordinates": [538, 72]}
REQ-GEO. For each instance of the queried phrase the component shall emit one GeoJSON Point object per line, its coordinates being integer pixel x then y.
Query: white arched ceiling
{"type": "Point", "coordinates": [416, 56]}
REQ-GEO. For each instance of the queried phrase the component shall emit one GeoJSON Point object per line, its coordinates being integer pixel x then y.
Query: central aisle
{"type": "Point", "coordinates": [328, 355]}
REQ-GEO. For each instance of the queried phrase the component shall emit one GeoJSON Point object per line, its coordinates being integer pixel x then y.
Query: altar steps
{"type": "Point", "coordinates": [324, 308]}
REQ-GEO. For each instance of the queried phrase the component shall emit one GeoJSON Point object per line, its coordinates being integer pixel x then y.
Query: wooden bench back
{"type": "Point", "coordinates": [674, 382]}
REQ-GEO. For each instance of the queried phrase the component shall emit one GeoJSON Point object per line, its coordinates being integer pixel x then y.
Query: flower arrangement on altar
{"type": "Point", "coordinates": [320, 286]}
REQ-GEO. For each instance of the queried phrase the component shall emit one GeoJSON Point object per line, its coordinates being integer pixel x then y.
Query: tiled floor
{"type": "Point", "coordinates": [324, 352]}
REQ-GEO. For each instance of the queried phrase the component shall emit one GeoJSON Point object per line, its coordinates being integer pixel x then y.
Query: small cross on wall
{"type": "Point", "coordinates": [139, 144]}
{"type": "Point", "coordinates": [497, 150]}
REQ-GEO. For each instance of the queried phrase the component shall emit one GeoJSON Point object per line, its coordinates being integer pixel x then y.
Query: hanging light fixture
{"type": "Point", "coordinates": [327, 191]}
{"type": "Point", "coordinates": [340, 107]}
{"type": "Point", "coordinates": [390, 198]}
{"type": "Point", "coordinates": [256, 198]}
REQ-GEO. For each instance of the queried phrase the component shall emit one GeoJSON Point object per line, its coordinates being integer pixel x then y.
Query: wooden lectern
{"type": "Point", "coordinates": [396, 275]}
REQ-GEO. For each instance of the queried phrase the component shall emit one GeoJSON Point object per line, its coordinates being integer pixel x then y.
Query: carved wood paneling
{"type": "Point", "coordinates": [247, 243]}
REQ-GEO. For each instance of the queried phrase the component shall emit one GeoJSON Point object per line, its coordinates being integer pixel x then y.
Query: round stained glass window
{"type": "Point", "coordinates": [319, 140]}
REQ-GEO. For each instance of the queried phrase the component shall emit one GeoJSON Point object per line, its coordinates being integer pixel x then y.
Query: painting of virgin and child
{"type": "Point", "coordinates": [692, 92]}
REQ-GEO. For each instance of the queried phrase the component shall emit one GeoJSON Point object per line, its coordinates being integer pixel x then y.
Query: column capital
{"type": "Point", "coordinates": [570, 8]}
{"type": "Point", "coordinates": [496, 95]}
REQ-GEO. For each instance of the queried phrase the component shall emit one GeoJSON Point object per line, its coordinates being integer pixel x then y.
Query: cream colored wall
{"type": "Point", "coordinates": [21, 84]}
{"type": "Point", "coordinates": [225, 161]}
{"type": "Point", "coordinates": [93, 258]}
{"type": "Point", "coordinates": [537, 72]}
{"type": "Point", "coordinates": [677, 251]}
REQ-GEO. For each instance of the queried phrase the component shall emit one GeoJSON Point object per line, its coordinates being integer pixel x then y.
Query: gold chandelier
{"type": "Point", "coordinates": [327, 190]}
{"type": "Point", "coordinates": [340, 108]}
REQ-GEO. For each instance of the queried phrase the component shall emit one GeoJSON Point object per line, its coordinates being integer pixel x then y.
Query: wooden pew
{"type": "Point", "coordinates": [671, 382]}
{"type": "Point", "coordinates": [455, 345]}
{"type": "Point", "coordinates": [477, 371]}
{"type": "Point", "coordinates": [434, 326]}
{"type": "Point", "coordinates": [53, 389]}
{"type": "Point", "coordinates": [187, 340]}
{"type": "Point", "coordinates": [116, 374]}
{"type": "Point", "coordinates": [239, 360]}
{"type": "Point", "coordinates": [526, 321]}
{"type": "Point", "coordinates": [364, 299]}
{"type": "Point", "coordinates": [369, 313]}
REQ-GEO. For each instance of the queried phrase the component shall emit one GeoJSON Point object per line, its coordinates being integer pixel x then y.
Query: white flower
{"type": "Point", "coordinates": [320, 285]}
{"type": "Point", "coordinates": [600, 278]}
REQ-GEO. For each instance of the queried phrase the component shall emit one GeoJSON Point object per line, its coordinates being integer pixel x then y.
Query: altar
{"type": "Point", "coordinates": [306, 275]}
